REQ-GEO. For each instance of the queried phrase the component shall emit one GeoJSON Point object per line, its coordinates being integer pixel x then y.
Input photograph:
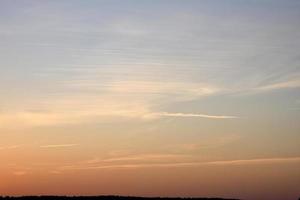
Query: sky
{"type": "Point", "coordinates": [181, 98]}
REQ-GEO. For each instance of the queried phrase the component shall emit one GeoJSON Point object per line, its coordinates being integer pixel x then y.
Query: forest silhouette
{"type": "Point", "coordinates": [101, 198]}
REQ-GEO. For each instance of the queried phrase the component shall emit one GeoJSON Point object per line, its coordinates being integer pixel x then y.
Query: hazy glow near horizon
{"type": "Point", "coordinates": [150, 98]}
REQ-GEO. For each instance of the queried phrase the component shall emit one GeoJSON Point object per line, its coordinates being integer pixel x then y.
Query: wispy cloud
{"type": "Point", "coordinates": [58, 145]}
{"type": "Point", "coordinates": [184, 164]}
{"type": "Point", "coordinates": [137, 158]}
{"type": "Point", "coordinates": [186, 89]}
{"type": "Point", "coordinates": [256, 161]}
{"type": "Point", "coordinates": [20, 173]}
{"type": "Point", "coordinates": [167, 114]}
{"type": "Point", "coordinates": [206, 143]}
{"type": "Point", "coordinates": [281, 85]}
{"type": "Point", "coordinates": [108, 109]}
{"type": "Point", "coordinates": [147, 157]}
{"type": "Point", "coordinates": [10, 147]}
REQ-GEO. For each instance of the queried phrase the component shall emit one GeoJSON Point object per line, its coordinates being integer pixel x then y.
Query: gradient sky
{"type": "Point", "coordinates": [150, 98]}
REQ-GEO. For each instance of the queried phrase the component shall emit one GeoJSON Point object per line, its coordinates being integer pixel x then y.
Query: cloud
{"type": "Point", "coordinates": [10, 147]}
{"type": "Point", "coordinates": [125, 100]}
{"type": "Point", "coordinates": [128, 161]}
{"type": "Point", "coordinates": [55, 172]}
{"type": "Point", "coordinates": [281, 85]}
{"type": "Point", "coordinates": [58, 145]}
{"type": "Point", "coordinates": [136, 158]}
{"type": "Point", "coordinates": [259, 161]}
{"type": "Point", "coordinates": [106, 109]}
{"type": "Point", "coordinates": [167, 114]}
{"type": "Point", "coordinates": [206, 143]}
{"type": "Point", "coordinates": [256, 161]}
{"type": "Point", "coordinates": [20, 173]}
{"type": "Point", "coordinates": [186, 89]}
{"type": "Point", "coordinates": [147, 157]}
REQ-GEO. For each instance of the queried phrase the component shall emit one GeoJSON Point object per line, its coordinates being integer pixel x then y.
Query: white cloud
{"type": "Point", "coordinates": [167, 114]}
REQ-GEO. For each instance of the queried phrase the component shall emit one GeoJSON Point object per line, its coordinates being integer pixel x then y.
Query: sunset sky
{"type": "Point", "coordinates": [150, 97]}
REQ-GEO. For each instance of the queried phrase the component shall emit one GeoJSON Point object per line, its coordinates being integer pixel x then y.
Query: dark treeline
{"type": "Point", "coordinates": [100, 198]}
